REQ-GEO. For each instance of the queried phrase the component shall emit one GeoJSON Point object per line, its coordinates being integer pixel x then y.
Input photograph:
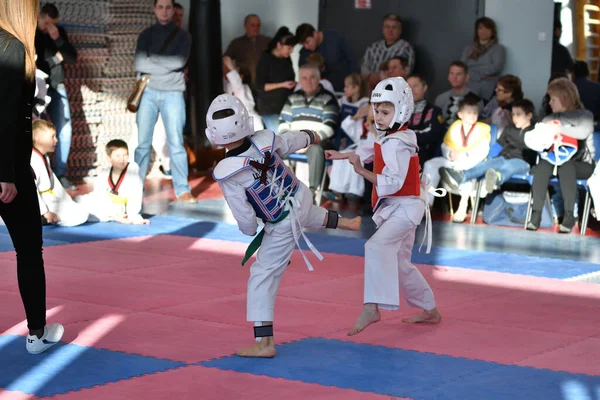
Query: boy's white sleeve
{"type": "Point", "coordinates": [136, 191]}
{"type": "Point", "coordinates": [397, 160]}
{"type": "Point", "coordinates": [43, 207]}
{"type": "Point", "coordinates": [469, 159]}
{"type": "Point", "coordinates": [366, 151]}
{"type": "Point", "coordinates": [290, 142]}
{"type": "Point", "coordinates": [38, 167]}
{"type": "Point", "coordinates": [244, 214]}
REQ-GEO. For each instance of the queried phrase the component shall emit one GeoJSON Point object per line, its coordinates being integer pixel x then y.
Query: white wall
{"type": "Point", "coordinates": [525, 29]}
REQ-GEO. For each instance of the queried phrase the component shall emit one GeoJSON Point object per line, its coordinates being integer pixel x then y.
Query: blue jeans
{"type": "Point", "coordinates": [60, 114]}
{"type": "Point", "coordinates": [271, 122]}
{"type": "Point", "coordinates": [171, 106]}
{"type": "Point", "coordinates": [506, 168]}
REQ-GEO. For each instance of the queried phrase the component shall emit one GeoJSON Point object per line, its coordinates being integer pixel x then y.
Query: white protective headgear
{"type": "Point", "coordinates": [397, 92]}
{"type": "Point", "coordinates": [233, 124]}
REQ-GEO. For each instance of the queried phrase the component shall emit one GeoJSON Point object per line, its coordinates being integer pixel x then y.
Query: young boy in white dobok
{"type": "Point", "coordinates": [399, 200]}
{"type": "Point", "coordinates": [256, 183]}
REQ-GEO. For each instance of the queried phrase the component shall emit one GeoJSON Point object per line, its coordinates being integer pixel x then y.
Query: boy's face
{"type": "Point", "coordinates": [395, 69]}
{"type": "Point", "coordinates": [44, 21]}
{"type": "Point", "coordinates": [383, 114]}
{"type": "Point", "coordinates": [119, 158]}
{"type": "Point", "coordinates": [520, 118]}
{"type": "Point", "coordinates": [417, 87]}
{"type": "Point", "coordinates": [468, 114]}
{"type": "Point", "coordinates": [45, 140]}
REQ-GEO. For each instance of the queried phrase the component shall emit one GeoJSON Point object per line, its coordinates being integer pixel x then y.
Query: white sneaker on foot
{"type": "Point", "coordinates": [52, 335]}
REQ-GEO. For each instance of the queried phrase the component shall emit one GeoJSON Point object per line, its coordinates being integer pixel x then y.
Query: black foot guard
{"type": "Point", "coordinates": [332, 219]}
{"type": "Point", "coordinates": [263, 331]}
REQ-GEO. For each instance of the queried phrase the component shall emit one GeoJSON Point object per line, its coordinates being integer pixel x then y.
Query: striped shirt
{"type": "Point", "coordinates": [379, 52]}
{"type": "Point", "coordinates": [319, 113]}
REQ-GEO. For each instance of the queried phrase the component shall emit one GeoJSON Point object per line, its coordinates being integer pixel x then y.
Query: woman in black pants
{"type": "Point", "coordinates": [577, 123]}
{"type": "Point", "coordinates": [18, 195]}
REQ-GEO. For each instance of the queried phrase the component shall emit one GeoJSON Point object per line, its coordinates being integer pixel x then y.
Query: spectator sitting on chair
{"type": "Point", "coordinates": [465, 145]}
{"type": "Point", "coordinates": [390, 46]}
{"type": "Point", "coordinates": [515, 157]}
{"type": "Point", "coordinates": [316, 109]}
{"type": "Point", "coordinates": [318, 60]}
{"type": "Point", "coordinates": [426, 121]}
{"type": "Point", "coordinates": [398, 67]}
{"type": "Point", "coordinates": [458, 76]}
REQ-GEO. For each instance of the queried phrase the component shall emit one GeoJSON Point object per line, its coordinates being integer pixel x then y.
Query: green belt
{"type": "Point", "coordinates": [257, 241]}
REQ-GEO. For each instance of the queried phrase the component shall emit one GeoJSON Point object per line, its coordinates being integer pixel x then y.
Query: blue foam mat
{"type": "Point", "coordinates": [68, 367]}
{"type": "Point", "coordinates": [403, 373]}
{"type": "Point", "coordinates": [556, 268]}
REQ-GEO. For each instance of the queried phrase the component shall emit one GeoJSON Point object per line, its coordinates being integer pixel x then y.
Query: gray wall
{"type": "Point", "coordinates": [525, 29]}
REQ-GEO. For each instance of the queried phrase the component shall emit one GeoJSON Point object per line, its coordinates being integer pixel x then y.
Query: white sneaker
{"type": "Point", "coordinates": [52, 335]}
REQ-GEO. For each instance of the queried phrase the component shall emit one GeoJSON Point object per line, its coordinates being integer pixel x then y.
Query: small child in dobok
{"type": "Point", "coordinates": [399, 200]}
{"type": "Point", "coordinates": [257, 184]}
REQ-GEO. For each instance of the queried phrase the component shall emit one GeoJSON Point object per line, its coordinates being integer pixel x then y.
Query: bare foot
{"type": "Point", "coordinates": [426, 317]}
{"type": "Point", "coordinates": [350, 224]}
{"type": "Point", "coordinates": [369, 315]}
{"type": "Point", "coordinates": [264, 349]}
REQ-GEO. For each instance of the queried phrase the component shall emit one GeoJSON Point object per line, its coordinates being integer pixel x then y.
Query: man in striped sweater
{"type": "Point", "coordinates": [316, 109]}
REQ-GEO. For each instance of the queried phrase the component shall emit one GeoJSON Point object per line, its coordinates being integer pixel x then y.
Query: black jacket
{"type": "Point", "coordinates": [46, 49]}
{"type": "Point", "coordinates": [16, 98]}
{"type": "Point", "coordinates": [513, 145]}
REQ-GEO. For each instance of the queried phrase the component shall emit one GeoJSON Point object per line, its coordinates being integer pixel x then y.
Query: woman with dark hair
{"type": "Point", "coordinates": [485, 58]}
{"type": "Point", "coordinates": [275, 77]}
{"type": "Point", "coordinates": [19, 206]}
{"type": "Point", "coordinates": [560, 141]}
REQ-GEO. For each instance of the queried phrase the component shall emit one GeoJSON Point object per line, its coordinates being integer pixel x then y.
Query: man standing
{"type": "Point", "coordinates": [247, 49]}
{"type": "Point", "coordinates": [335, 49]}
{"type": "Point", "coordinates": [162, 53]}
{"type": "Point", "coordinates": [53, 50]}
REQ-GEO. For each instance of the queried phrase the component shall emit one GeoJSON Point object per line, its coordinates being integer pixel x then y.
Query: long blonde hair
{"type": "Point", "coordinates": [19, 18]}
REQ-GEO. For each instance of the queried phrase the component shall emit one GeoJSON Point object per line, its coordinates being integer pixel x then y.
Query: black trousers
{"type": "Point", "coordinates": [22, 218]}
{"type": "Point", "coordinates": [568, 174]}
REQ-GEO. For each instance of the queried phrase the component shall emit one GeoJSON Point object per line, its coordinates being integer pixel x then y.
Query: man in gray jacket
{"type": "Point", "coordinates": [162, 53]}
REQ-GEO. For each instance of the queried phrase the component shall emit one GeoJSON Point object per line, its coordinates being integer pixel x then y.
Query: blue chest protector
{"type": "Point", "coordinates": [274, 181]}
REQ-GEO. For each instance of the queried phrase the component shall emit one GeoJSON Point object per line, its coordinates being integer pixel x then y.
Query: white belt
{"type": "Point", "coordinates": [440, 192]}
{"type": "Point", "coordinates": [295, 221]}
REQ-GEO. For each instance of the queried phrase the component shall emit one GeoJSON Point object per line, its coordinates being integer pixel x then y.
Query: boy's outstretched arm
{"type": "Point", "coordinates": [291, 141]}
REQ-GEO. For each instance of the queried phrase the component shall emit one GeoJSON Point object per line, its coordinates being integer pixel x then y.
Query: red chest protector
{"type": "Point", "coordinates": [412, 183]}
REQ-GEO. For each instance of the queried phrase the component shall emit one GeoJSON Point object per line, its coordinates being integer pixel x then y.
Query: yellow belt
{"type": "Point", "coordinates": [118, 200]}
{"type": "Point", "coordinates": [49, 191]}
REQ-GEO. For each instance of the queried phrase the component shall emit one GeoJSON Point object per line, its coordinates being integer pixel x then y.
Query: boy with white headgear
{"type": "Point", "coordinates": [256, 183]}
{"type": "Point", "coordinates": [399, 200]}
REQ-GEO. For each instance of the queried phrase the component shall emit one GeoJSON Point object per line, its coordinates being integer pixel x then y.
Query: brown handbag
{"type": "Point", "coordinates": [133, 103]}
{"type": "Point", "coordinates": [136, 96]}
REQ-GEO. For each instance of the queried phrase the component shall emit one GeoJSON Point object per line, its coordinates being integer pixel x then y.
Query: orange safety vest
{"type": "Point", "coordinates": [412, 183]}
